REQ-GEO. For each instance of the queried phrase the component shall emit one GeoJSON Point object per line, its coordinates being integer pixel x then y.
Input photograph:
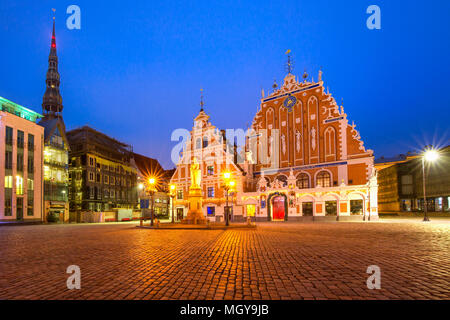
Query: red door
{"type": "Point", "coordinates": [278, 208]}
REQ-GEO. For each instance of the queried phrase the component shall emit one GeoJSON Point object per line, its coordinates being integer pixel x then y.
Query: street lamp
{"type": "Point", "coordinates": [229, 184]}
{"type": "Point", "coordinates": [172, 196]}
{"type": "Point", "coordinates": [151, 191]}
{"type": "Point", "coordinates": [429, 155]}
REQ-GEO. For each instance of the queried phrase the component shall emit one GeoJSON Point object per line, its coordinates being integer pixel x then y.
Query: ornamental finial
{"type": "Point", "coordinates": [289, 63]}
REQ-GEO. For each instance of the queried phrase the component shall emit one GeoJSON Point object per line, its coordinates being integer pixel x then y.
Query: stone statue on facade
{"type": "Point", "coordinates": [196, 174]}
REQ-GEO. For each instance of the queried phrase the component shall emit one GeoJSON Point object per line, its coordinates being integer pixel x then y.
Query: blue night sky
{"type": "Point", "coordinates": [135, 69]}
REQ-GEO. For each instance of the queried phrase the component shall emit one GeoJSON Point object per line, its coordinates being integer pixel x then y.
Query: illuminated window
{"type": "Point", "coordinates": [211, 211]}
{"type": "Point", "coordinates": [251, 209]}
{"type": "Point", "coordinates": [30, 184]}
{"type": "Point", "coordinates": [303, 181]}
{"type": "Point", "coordinates": [91, 161]}
{"type": "Point", "coordinates": [179, 194]}
{"type": "Point", "coordinates": [8, 182]}
{"type": "Point", "coordinates": [323, 179]}
{"type": "Point", "coordinates": [19, 185]}
{"type": "Point", "coordinates": [210, 170]}
{"type": "Point", "coordinates": [91, 176]}
{"type": "Point", "coordinates": [210, 192]}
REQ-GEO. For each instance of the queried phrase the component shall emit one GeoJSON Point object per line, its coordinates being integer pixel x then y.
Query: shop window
{"type": "Point", "coordinates": [356, 207]}
{"type": "Point", "coordinates": [251, 209]}
{"type": "Point", "coordinates": [331, 208]}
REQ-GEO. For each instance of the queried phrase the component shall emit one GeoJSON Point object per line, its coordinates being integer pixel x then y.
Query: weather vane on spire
{"type": "Point", "coordinates": [289, 63]}
{"type": "Point", "coordinates": [202, 104]}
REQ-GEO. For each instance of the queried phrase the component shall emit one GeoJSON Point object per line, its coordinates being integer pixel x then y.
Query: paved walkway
{"type": "Point", "coordinates": [274, 261]}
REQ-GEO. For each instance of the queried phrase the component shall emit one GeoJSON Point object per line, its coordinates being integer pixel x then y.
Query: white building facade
{"type": "Point", "coordinates": [21, 164]}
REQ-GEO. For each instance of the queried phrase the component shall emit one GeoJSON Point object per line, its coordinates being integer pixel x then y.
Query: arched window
{"type": "Point", "coordinates": [283, 180]}
{"type": "Point", "coordinates": [205, 142]}
{"type": "Point", "coordinates": [198, 144]}
{"type": "Point", "coordinates": [303, 181]}
{"type": "Point", "coordinates": [323, 179]}
{"type": "Point", "coordinates": [330, 142]}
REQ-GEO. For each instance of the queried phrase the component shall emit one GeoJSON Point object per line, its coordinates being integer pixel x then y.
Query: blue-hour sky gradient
{"type": "Point", "coordinates": [135, 69]}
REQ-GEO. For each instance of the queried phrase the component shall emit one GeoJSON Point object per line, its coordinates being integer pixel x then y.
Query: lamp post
{"type": "Point", "coordinates": [151, 191]}
{"type": "Point", "coordinates": [141, 187]}
{"type": "Point", "coordinates": [429, 155]}
{"type": "Point", "coordinates": [227, 186]}
{"type": "Point", "coordinates": [172, 196]}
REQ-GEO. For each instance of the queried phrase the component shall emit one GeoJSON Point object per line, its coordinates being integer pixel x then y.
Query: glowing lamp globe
{"type": "Point", "coordinates": [431, 155]}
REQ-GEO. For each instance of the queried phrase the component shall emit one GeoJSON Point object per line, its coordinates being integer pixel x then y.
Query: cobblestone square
{"type": "Point", "coordinates": [275, 261]}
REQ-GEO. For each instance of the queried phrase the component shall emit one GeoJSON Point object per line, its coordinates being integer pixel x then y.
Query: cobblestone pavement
{"type": "Point", "coordinates": [274, 261]}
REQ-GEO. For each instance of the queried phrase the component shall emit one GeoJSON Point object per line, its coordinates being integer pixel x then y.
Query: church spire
{"type": "Point", "coordinates": [202, 104]}
{"type": "Point", "coordinates": [52, 101]}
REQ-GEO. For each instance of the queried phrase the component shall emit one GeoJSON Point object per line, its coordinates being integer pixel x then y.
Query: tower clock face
{"type": "Point", "coordinates": [290, 102]}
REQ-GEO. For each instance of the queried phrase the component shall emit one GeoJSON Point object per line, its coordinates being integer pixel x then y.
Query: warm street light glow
{"type": "Point", "coordinates": [232, 183]}
{"type": "Point", "coordinates": [172, 187]}
{"type": "Point", "coordinates": [141, 186]}
{"type": "Point", "coordinates": [431, 155]}
{"type": "Point", "coordinates": [227, 175]}
{"type": "Point", "coordinates": [151, 181]}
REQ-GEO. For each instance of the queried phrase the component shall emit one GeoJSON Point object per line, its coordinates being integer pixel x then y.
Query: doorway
{"type": "Point", "coordinates": [279, 208]}
{"type": "Point", "coordinates": [307, 209]}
